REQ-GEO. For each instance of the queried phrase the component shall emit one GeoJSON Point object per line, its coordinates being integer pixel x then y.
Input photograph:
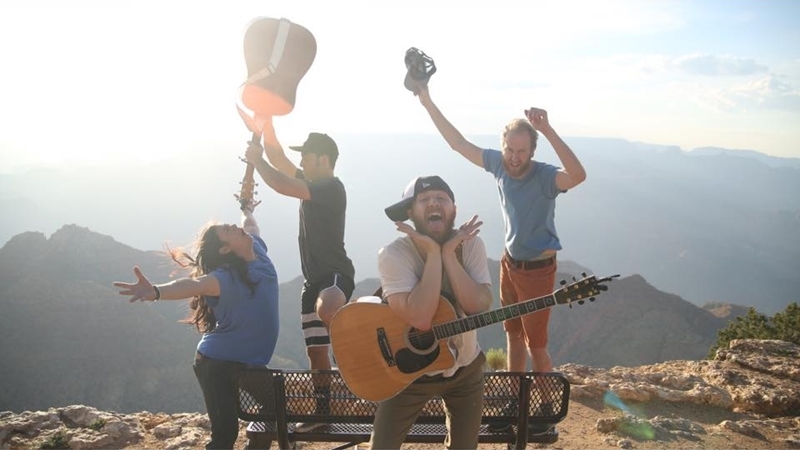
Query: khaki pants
{"type": "Point", "coordinates": [463, 402]}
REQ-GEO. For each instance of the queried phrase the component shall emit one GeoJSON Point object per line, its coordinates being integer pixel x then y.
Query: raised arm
{"type": "Point", "coordinates": [275, 179]}
{"type": "Point", "coordinates": [247, 201]}
{"type": "Point", "coordinates": [143, 290]}
{"type": "Point", "coordinates": [249, 222]}
{"type": "Point", "coordinates": [275, 154]}
{"type": "Point", "coordinates": [573, 172]}
{"type": "Point", "coordinates": [451, 135]}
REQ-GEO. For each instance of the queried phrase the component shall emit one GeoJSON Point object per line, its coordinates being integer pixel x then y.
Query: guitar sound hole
{"type": "Point", "coordinates": [421, 341]}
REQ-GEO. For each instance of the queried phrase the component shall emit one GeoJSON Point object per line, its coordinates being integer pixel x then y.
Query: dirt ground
{"type": "Point", "coordinates": [579, 430]}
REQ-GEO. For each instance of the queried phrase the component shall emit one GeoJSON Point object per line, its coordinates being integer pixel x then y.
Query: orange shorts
{"type": "Point", "coordinates": [518, 285]}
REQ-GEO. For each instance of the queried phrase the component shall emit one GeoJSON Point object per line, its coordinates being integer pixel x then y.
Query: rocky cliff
{"type": "Point", "coordinates": [747, 397]}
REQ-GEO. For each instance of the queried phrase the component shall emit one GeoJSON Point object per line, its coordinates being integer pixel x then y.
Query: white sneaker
{"type": "Point", "coordinates": [305, 427]}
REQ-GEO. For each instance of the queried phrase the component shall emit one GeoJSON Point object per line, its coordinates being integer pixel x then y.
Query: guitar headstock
{"type": "Point", "coordinates": [246, 194]}
{"type": "Point", "coordinates": [581, 290]}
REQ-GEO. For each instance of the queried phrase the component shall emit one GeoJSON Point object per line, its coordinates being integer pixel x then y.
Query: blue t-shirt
{"type": "Point", "coordinates": [528, 205]}
{"type": "Point", "coordinates": [247, 319]}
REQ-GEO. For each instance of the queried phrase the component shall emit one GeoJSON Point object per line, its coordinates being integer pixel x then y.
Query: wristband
{"type": "Point", "coordinates": [158, 293]}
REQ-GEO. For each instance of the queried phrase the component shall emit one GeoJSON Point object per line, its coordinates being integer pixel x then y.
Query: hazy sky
{"type": "Point", "coordinates": [114, 80]}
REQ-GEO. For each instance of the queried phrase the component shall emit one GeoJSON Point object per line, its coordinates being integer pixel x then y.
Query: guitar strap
{"type": "Point", "coordinates": [282, 35]}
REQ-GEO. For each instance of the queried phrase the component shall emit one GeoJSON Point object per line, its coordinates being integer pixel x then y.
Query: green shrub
{"type": "Point", "coordinates": [57, 441]}
{"type": "Point", "coordinates": [496, 359]}
{"type": "Point", "coordinates": [784, 326]}
{"type": "Point", "coordinates": [98, 424]}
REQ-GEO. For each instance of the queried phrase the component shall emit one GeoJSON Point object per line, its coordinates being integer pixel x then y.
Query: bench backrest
{"type": "Point", "coordinates": [265, 394]}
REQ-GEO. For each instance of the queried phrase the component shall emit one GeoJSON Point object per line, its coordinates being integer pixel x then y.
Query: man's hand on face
{"type": "Point", "coordinates": [465, 232]}
{"type": "Point", "coordinates": [426, 244]}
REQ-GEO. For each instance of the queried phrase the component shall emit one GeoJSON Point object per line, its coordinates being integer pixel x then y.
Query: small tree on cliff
{"type": "Point", "coordinates": [784, 326]}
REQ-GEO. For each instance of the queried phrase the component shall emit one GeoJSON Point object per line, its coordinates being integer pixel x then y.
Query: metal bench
{"type": "Point", "coordinates": [274, 400]}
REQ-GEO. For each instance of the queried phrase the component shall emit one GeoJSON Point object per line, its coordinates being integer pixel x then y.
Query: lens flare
{"type": "Point", "coordinates": [631, 425]}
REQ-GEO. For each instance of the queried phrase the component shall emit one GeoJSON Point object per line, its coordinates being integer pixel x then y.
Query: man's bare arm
{"type": "Point", "coordinates": [472, 296]}
{"type": "Point", "coordinates": [451, 135]}
{"type": "Point", "coordinates": [573, 172]}
{"type": "Point", "coordinates": [275, 153]}
{"type": "Point", "coordinates": [418, 307]}
{"type": "Point", "coordinates": [278, 181]}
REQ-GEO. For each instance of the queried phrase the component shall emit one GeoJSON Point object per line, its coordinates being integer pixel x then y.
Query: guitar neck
{"type": "Point", "coordinates": [249, 173]}
{"type": "Point", "coordinates": [458, 326]}
{"type": "Point", "coordinates": [247, 191]}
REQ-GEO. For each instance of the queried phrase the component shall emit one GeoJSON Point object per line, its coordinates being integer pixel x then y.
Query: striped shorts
{"type": "Point", "coordinates": [314, 330]}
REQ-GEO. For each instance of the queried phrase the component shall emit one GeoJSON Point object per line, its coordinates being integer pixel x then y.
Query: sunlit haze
{"type": "Point", "coordinates": [116, 81]}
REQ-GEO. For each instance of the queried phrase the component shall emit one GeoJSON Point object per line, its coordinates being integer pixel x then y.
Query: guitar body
{"type": "Point", "coordinates": [378, 354]}
{"type": "Point", "coordinates": [273, 94]}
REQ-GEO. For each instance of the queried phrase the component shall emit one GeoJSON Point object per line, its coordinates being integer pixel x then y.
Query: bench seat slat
{"type": "Point", "coordinates": [420, 433]}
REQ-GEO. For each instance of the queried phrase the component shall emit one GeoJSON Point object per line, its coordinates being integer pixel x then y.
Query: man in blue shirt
{"type": "Point", "coordinates": [527, 190]}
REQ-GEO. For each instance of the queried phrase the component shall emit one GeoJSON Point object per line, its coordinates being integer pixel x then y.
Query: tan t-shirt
{"type": "Point", "coordinates": [401, 266]}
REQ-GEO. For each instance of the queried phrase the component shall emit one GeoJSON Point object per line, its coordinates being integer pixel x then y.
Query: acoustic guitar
{"type": "Point", "coordinates": [278, 54]}
{"type": "Point", "coordinates": [378, 354]}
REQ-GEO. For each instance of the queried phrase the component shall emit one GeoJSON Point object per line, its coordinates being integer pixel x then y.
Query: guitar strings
{"type": "Point", "coordinates": [417, 336]}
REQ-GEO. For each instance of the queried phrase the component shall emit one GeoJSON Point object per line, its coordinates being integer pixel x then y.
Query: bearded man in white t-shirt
{"type": "Point", "coordinates": [433, 260]}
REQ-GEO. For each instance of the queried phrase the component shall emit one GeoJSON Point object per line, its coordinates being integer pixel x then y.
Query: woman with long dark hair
{"type": "Point", "coordinates": [233, 292]}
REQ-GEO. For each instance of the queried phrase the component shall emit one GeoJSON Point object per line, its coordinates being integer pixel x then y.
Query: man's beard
{"type": "Point", "coordinates": [517, 171]}
{"type": "Point", "coordinates": [422, 227]}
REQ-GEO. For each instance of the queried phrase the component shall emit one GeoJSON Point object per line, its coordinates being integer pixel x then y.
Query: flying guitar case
{"type": "Point", "coordinates": [278, 53]}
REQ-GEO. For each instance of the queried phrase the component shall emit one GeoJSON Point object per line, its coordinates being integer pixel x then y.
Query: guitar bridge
{"type": "Point", "coordinates": [386, 351]}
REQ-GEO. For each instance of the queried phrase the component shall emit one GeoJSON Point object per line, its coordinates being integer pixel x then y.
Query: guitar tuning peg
{"type": "Point", "coordinates": [573, 279]}
{"type": "Point", "coordinates": [602, 287]}
{"type": "Point", "coordinates": [562, 282]}
{"type": "Point", "coordinates": [591, 299]}
{"type": "Point", "coordinates": [580, 302]}
{"type": "Point", "coordinates": [583, 274]}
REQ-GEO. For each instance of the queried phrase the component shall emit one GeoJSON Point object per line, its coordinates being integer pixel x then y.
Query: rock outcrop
{"type": "Point", "coordinates": [757, 379]}
{"type": "Point", "coordinates": [755, 376]}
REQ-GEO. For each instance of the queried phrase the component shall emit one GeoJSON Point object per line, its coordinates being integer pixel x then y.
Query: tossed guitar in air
{"type": "Point", "coordinates": [378, 354]}
{"type": "Point", "coordinates": [278, 53]}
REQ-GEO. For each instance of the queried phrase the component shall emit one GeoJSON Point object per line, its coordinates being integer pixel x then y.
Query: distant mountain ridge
{"type": "Point", "coordinates": [772, 161]}
{"type": "Point", "coordinates": [706, 225]}
{"type": "Point", "coordinates": [70, 338]}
